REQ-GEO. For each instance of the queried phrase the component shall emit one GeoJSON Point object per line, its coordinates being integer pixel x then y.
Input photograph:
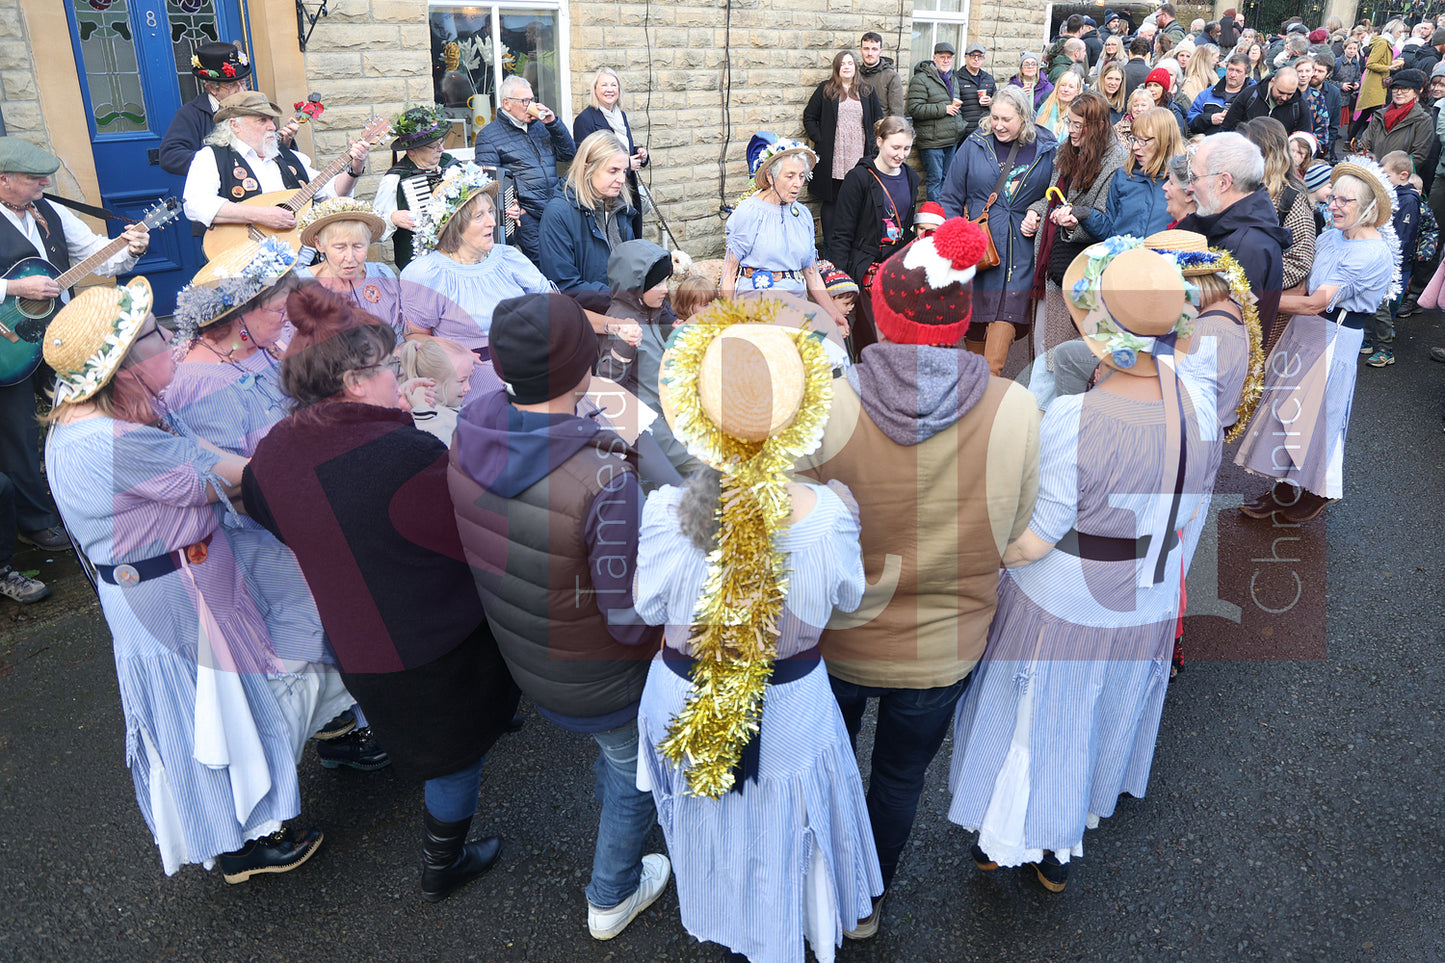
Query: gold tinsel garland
{"type": "Point", "coordinates": [1254, 381]}
{"type": "Point", "coordinates": [734, 637]}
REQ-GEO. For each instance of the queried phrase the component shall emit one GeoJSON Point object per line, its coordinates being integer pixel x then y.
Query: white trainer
{"type": "Point", "coordinates": [604, 924]}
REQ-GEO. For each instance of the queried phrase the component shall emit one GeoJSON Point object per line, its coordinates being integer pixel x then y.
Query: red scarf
{"type": "Point", "coordinates": [1396, 113]}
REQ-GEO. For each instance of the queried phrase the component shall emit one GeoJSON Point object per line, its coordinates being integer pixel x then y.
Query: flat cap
{"type": "Point", "coordinates": [22, 157]}
{"type": "Point", "coordinates": [975, 48]}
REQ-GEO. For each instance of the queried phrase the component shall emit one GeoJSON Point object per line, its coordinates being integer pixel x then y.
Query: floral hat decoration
{"type": "Point", "coordinates": [220, 61]}
{"type": "Point", "coordinates": [782, 147]}
{"type": "Point", "coordinates": [1195, 258]}
{"type": "Point", "coordinates": [459, 184]}
{"type": "Point", "coordinates": [1131, 305]}
{"type": "Point", "coordinates": [229, 282]}
{"type": "Point", "coordinates": [748, 396]}
{"type": "Point", "coordinates": [89, 338]}
{"type": "Point", "coordinates": [336, 209]}
{"type": "Point", "coordinates": [417, 127]}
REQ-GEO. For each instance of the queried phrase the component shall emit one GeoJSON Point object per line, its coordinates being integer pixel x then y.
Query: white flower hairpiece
{"type": "Point", "coordinates": [458, 185]}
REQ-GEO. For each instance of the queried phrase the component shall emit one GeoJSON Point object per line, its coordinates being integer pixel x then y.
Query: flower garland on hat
{"type": "Point", "coordinates": [1227, 267]}
{"type": "Point", "coordinates": [1124, 347]}
{"type": "Point", "coordinates": [459, 184]}
{"type": "Point", "coordinates": [133, 306]}
{"type": "Point", "coordinates": [735, 632]}
{"type": "Point", "coordinates": [200, 304]}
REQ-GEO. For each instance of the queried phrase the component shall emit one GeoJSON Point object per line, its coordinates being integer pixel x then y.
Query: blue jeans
{"type": "Point", "coordinates": [627, 817]}
{"type": "Point", "coordinates": [936, 161]}
{"type": "Point", "coordinates": [453, 797]}
{"type": "Point", "coordinates": [911, 727]}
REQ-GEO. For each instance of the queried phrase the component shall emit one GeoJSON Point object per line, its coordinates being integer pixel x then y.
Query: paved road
{"type": "Point", "coordinates": [1295, 809]}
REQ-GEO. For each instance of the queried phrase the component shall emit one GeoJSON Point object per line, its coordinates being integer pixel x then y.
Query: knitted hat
{"type": "Point", "coordinates": [89, 338]}
{"type": "Point", "coordinates": [1026, 56]}
{"type": "Point", "coordinates": [1317, 176]}
{"type": "Point", "coordinates": [924, 293]}
{"type": "Point", "coordinates": [1161, 76]}
{"type": "Point", "coordinates": [220, 63]}
{"type": "Point", "coordinates": [542, 346]}
{"type": "Point", "coordinates": [838, 282]}
{"type": "Point", "coordinates": [1439, 70]}
{"type": "Point", "coordinates": [930, 213]}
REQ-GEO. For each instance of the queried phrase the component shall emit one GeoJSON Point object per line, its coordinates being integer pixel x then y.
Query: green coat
{"type": "Point", "coordinates": [928, 100]}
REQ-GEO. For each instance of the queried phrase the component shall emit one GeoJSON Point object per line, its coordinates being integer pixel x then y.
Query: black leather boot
{"type": "Point", "coordinates": [448, 860]}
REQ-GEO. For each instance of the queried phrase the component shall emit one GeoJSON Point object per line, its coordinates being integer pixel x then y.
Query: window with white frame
{"type": "Point", "coordinates": [938, 21]}
{"type": "Point", "coordinates": [475, 46]}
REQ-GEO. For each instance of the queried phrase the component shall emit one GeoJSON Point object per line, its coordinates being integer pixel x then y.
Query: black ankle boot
{"type": "Point", "coordinates": [448, 860]}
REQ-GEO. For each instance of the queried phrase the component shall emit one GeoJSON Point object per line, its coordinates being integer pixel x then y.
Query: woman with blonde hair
{"type": "Point", "coordinates": [588, 217]}
{"type": "Point", "coordinates": [1053, 113]}
{"type": "Point", "coordinates": [1139, 101]}
{"type": "Point", "coordinates": [1290, 196]}
{"type": "Point", "coordinates": [1136, 204]}
{"type": "Point", "coordinates": [604, 112]}
{"type": "Point", "coordinates": [1200, 75]}
{"type": "Point", "coordinates": [839, 119]}
{"type": "Point", "coordinates": [1112, 85]}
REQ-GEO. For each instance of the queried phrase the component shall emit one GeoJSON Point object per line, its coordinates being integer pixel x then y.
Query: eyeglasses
{"type": "Point", "coordinates": [392, 364]}
{"type": "Point", "coordinates": [1075, 126]}
{"type": "Point", "coordinates": [976, 53]}
{"type": "Point", "coordinates": [1141, 141]}
{"type": "Point", "coordinates": [1193, 176]}
{"type": "Point", "coordinates": [1338, 200]}
{"type": "Point", "coordinates": [524, 101]}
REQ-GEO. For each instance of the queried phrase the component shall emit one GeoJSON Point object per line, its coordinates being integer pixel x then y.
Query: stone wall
{"type": "Point", "coordinates": [368, 58]}
{"type": "Point", "coordinates": [19, 97]}
{"type": "Point", "coordinates": [779, 52]}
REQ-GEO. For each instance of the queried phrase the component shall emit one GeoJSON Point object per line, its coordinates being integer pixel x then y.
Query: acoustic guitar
{"type": "Point", "coordinates": [222, 236]}
{"type": "Point", "coordinates": [23, 320]}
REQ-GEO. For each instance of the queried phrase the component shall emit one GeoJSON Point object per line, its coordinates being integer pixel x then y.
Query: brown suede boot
{"type": "Point", "coordinates": [996, 344]}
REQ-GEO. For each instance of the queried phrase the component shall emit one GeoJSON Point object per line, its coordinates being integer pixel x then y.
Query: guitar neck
{"type": "Point", "coordinates": [303, 197]}
{"type": "Point", "coordinates": [87, 267]}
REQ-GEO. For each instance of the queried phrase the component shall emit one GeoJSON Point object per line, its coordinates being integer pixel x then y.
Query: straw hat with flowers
{"type": "Point", "coordinates": [459, 184]}
{"type": "Point", "coordinates": [89, 338]}
{"type": "Point", "coordinates": [229, 282]}
{"type": "Point", "coordinates": [339, 209]}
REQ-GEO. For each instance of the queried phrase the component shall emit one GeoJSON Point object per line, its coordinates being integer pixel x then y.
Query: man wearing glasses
{"type": "Point", "coordinates": [1233, 210]}
{"type": "Point", "coordinates": [223, 69]}
{"type": "Point", "coordinates": [975, 87]}
{"type": "Point", "coordinates": [526, 138]}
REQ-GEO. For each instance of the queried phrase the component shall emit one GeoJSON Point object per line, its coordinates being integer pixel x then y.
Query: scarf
{"type": "Point", "coordinates": [1396, 113]}
{"type": "Point", "coordinates": [615, 121]}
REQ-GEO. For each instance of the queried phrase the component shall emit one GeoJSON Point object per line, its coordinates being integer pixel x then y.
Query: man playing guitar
{"type": "Point", "coordinates": [31, 226]}
{"type": "Point", "coordinates": [243, 158]}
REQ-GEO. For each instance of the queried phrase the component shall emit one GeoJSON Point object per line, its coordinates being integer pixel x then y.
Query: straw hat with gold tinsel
{"type": "Point", "coordinates": [1195, 258]}
{"type": "Point", "coordinates": [749, 398]}
{"type": "Point", "coordinates": [339, 209]}
{"type": "Point", "coordinates": [89, 338]}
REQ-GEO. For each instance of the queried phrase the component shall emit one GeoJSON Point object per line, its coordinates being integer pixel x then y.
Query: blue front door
{"type": "Point", "coordinates": [133, 58]}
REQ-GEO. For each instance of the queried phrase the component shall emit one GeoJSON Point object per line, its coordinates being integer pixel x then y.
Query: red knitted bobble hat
{"type": "Point", "coordinates": [924, 293]}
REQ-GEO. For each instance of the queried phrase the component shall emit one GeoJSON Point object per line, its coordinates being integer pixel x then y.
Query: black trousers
{"type": "Point", "coordinates": [20, 454]}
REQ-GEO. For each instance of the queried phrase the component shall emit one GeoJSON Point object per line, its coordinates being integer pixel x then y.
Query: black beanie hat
{"type": "Point", "coordinates": [542, 345]}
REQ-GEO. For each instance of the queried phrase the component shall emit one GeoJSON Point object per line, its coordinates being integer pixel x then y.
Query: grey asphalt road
{"type": "Point", "coordinates": [1294, 811]}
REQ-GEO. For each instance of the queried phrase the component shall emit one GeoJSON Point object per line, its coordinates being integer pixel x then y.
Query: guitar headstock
{"type": "Point", "coordinates": [162, 213]}
{"type": "Point", "coordinates": [376, 132]}
{"type": "Point", "coordinates": [309, 109]}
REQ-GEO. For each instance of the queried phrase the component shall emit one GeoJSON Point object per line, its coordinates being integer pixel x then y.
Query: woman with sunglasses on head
{"type": "Point", "coordinates": [215, 718]}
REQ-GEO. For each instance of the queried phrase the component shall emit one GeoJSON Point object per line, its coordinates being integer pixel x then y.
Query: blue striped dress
{"type": "Point", "coordinates": [128, 493]}
{"type": "Point", "coordinates": [792, 856]}
{"type": "Point", "coordinates": [1063, 711]}
{"type": "Point", "coordinates": [233, 406]}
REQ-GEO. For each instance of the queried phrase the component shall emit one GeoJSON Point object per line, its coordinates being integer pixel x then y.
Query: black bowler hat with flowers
{"type": "Point", "coordinates": [220, 62]}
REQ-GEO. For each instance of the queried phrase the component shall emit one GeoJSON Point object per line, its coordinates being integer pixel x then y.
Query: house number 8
{"type": "Point", "coordinates": [151, 19]}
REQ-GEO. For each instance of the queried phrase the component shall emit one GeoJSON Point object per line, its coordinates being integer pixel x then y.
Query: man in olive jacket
{"type": "Point", "coordinates": [938, 123]}
{"type": "Point", "coordinates": [943, 460]}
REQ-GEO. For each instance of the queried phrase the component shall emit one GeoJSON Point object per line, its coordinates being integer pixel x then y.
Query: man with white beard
{"type": "Point", "coordinates": [242, 158]}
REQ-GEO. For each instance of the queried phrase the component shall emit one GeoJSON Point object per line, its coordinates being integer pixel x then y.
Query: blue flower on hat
{"type": "Point", "coordinates": [1124, 357]}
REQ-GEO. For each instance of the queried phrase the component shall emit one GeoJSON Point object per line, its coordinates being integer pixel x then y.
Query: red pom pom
{"type": "Point", "coordinates": [961, 241]}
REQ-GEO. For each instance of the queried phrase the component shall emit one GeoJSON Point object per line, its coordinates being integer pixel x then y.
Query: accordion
{"type": "Point", "coordinates": [417, 191]}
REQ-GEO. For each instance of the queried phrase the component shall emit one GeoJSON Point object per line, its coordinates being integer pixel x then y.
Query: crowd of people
{"type": "Point", "coordinates": [704, 521]}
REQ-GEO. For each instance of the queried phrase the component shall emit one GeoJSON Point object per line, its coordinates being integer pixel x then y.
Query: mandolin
{"type": "Point", "coordinates": [23, 320]}
{"type": "Point", "coordinates": [222, 236]}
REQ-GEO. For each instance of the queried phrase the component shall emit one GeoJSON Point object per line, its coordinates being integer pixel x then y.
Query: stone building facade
{"type": "Point", "coordinates": [699, 78]}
